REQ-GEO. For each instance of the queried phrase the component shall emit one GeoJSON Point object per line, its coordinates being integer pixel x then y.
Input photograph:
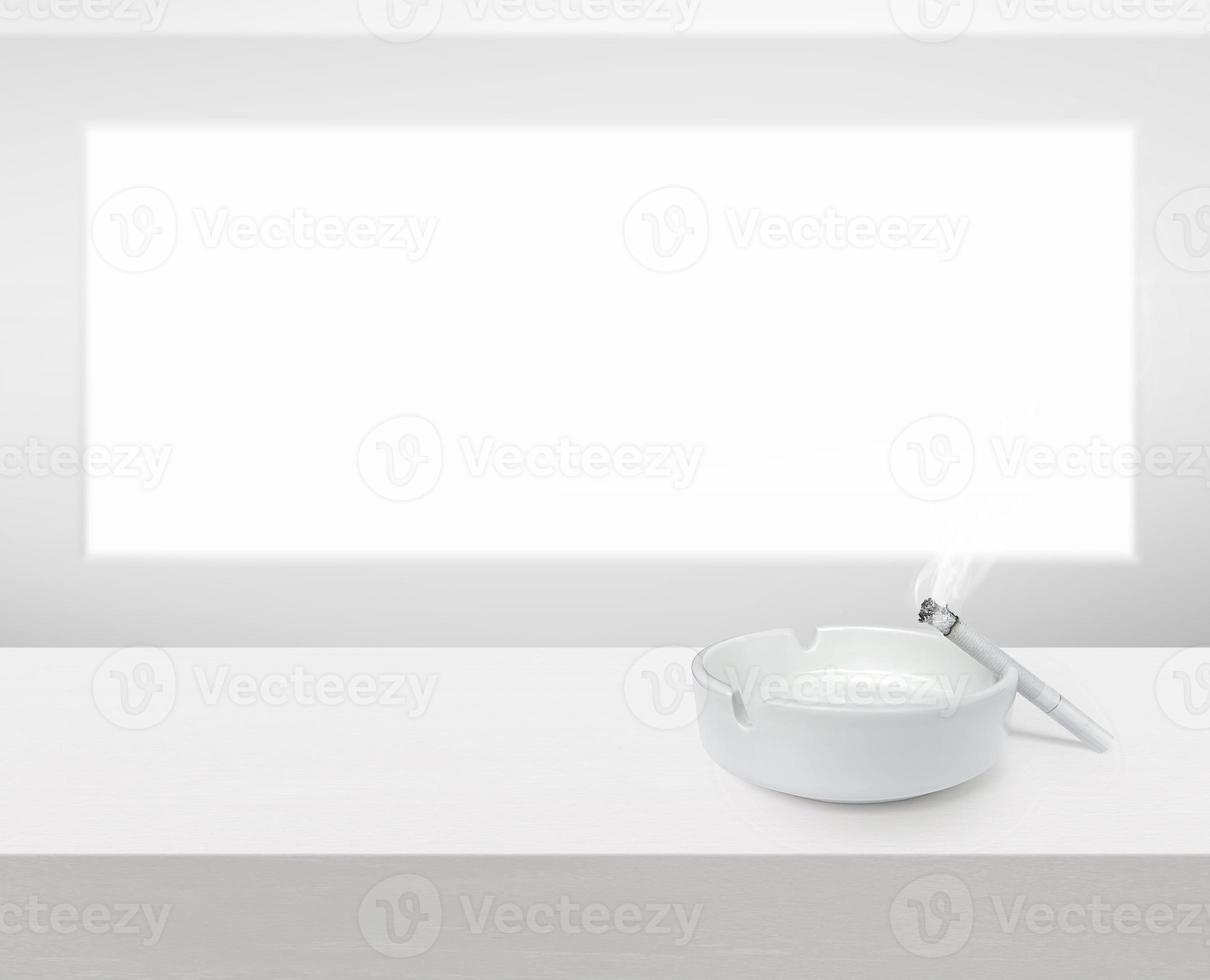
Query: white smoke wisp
{"type": "Point", "coordinates": [957, 567]}
{"type": "Point", "coordinates": [949, 578]}
{"type": "Point", "coordinates": [960, 560]}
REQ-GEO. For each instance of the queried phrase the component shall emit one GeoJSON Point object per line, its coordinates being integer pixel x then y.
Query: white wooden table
{"type": "Point", "coordinates": [535, 752]}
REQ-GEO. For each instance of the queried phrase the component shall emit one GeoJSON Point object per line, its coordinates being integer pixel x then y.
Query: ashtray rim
{"type": "Point", "coordinates": [712, 683]}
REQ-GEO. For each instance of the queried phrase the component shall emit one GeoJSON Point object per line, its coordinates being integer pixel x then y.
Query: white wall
{"type": "Point", "coordinates": [1142, 589]}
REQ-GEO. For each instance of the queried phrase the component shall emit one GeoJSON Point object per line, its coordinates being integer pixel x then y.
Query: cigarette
{"type": "Point", "coordinates": [1030, 685]}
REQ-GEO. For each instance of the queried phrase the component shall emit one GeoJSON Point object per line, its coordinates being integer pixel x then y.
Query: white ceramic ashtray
{"type": "Point", "coordinates": [863, 715]}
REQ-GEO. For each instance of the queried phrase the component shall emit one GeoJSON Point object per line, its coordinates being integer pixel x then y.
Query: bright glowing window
{"type": "Point", "coordinates": [593, 341]}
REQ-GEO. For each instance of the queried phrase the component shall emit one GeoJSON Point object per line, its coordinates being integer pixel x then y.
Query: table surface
{"type": "Point", "coordinates": [550, 751]}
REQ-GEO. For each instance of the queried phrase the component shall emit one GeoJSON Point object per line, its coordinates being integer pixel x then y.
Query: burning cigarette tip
{"type": "Point", "coordinates": [938, 616]}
